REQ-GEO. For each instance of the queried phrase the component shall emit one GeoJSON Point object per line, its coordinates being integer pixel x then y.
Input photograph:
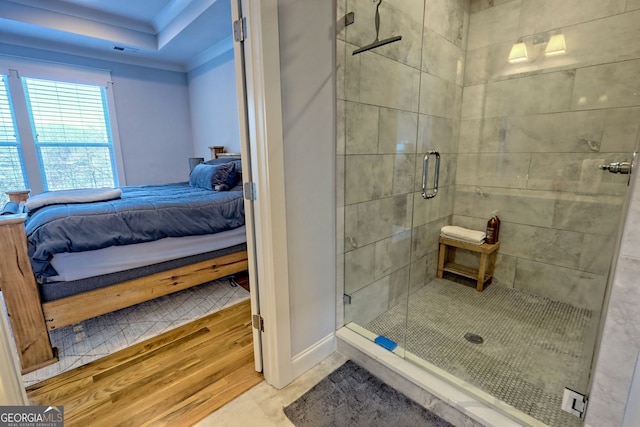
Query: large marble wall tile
{"type": "Point", "coordinates": [399, 286]}
{"type": "Point", "coordinates": [368, 303]}
{"type": "Point", "coordinates": [397, 17]}
{"type": "Point", "coordinates": [420, 244]}
{"type": "Point", "coordinates": [441, 58]}
{"type": "Point", "coordinates": [418, 275]}
{"type": "Point", "coordinates": [545, 15]}
{"type": "Point", "coordinates": [397, 132]}
{"type": "Point", "coordinates": [576, 173]}
{"type": "Point", "coordinates": [597, 253]}
{"type": "Point", "coordinates": [437, 96]}
{"type": "Point", "coordinates": [621, 127]}
{"type": "Point", "coordinates": [448, 169]}
{"type": "Point", "coordinates": [471, 222]}
{"type": "Point", "coordinates": [368, 177]}
{"type": "Point", "coordinates": [514, 205]}
{"type": "Point", "coordinates": [633, 5]}
{"type": "Point", "coordinates": [446, 194]}
{"type": "Point", "coordinates": [425, 238]}
{"type": "Point", "coordinates": [599, 215]}
{"type": "Point", "coordinates": [619, 347]}
{"type": "Point", "coordinates": [404, 174]}
{"type": "Point", "coordinates": [473, 102]}
{"type": "Point", "coordinates": [580, 289]}
{"type": "Point", "coordinates": [572, 132]}
{"type": "Point", "coordinates": [495, 24]}
{"type": "Point", "coordinates": [351, 228]}
{"type": "Point", "coordinates": [538, 133]}
{"type": "Point", "coordinates": [482, 135]}
{"type": "Point", "coordinates": [388, 83]}
{"type": "Point", "coordinates": [424, 210]}
{"type": "Point", "coordinates": [436, 133]}
{"type": "Point", "coordinates": [490, 63]}
{"type": "Point", "coordinates": [449, 18]}
{"type": "Point", "coordinates": [479, 5]}
{"type": "Point", "coordinates": [465, 200]}
{"type": "Point", "coordinates": [361, 128]}
{"type": "Point", "coordinates": [547, 245]}
{"type": "Point", "coordinates": [545, 93]}
{"type": "Point", "coordinates": [493, 170]}
{"type": "Point", "coordinates": [383, 218]}
{"type": "Point", "coordinates": [359, 268]}
{"type": "Point", "coordinates": [505, 270]}
{"type": "Point", "coordinates": [607, 86]}
{"type": "Point", "coordinates": [392, 254]}
{"type": "Point", "coordinates": [432, 266]}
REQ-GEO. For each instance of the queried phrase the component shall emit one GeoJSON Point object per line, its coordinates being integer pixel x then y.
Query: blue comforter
{"type": "Point", "coordinates": [142, 214]}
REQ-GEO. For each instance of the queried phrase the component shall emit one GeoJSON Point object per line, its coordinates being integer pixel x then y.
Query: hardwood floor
{"type": "Point", "coordinates": [174, 379]}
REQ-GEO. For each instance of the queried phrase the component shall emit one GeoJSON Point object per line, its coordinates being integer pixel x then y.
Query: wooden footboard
{"type": "Point", "coordinates": [21, 296]}
{"type": "Point", "coordinates": [31, 320]}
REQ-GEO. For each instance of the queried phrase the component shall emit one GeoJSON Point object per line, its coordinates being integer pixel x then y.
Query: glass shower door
{"type": "Point", "coordinates": [529, 108]}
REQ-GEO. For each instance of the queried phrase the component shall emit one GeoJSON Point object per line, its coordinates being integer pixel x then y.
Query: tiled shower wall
{"type": "Point", "coordinates": [395, 104]}
{"type": "Point", "coordinates": [532, 136]}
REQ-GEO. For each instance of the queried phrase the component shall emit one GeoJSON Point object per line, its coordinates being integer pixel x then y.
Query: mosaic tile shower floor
{"type": "Point", "coordinates": [532, 349]}
{"type": "Point", "coordinates": [92, 339]}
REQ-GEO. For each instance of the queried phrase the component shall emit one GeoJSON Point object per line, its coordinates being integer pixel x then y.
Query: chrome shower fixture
{"type": "Point", "coordinates": [377, 42]}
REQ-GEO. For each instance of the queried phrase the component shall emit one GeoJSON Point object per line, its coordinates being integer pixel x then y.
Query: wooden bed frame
{"type": "Point", "coordinates": [31, 319]}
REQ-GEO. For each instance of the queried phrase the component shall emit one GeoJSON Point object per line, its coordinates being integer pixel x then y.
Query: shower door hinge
{"type": "Point", "coordinates": [257, 322]}
{"type": "Point", "coordinates": [249, 191]}
{"type": "Point", "coordinates": [240, 29]}
{"type": "Point", "coordinates": [574, 403]}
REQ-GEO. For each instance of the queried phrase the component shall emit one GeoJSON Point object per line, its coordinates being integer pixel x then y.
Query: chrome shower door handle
{"type": "Point", "coordinates": [425, 172]}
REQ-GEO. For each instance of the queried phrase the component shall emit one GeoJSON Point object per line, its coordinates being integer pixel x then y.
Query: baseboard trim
{"type": "Point", "coordinates": [313, 355]}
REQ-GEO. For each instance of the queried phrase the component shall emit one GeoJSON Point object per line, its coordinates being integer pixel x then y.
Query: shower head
{"type": "Point", "coordinates": [377, 43]}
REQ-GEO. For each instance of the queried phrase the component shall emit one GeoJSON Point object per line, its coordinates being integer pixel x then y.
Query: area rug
{"type": "Point", "coordinates": [351, 396]}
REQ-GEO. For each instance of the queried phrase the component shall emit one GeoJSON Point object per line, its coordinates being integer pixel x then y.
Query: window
{"type": "Point", "coordinates": [12, 175]}
{"type": "Point", "coordinates": [71, 132]}
{"type": "Point", "coordinates": [56, 132]}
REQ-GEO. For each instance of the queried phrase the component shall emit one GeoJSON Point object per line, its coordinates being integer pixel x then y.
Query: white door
{"type": "Point", "coordinates": [247, 177]}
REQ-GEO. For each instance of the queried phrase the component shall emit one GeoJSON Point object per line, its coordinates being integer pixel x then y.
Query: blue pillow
{"type": "Point", "coordinates": [220, 177]}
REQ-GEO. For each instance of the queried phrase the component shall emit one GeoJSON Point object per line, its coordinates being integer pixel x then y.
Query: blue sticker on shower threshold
{"type": "Point", "coordinates": [386, 343]}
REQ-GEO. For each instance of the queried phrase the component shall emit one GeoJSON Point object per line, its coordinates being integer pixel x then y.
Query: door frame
{"type": "Point", "coordinates": [260, 110]}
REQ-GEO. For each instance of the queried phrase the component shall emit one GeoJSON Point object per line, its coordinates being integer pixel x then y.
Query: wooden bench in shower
{"type": "Point", "coordinates": [482, 275]}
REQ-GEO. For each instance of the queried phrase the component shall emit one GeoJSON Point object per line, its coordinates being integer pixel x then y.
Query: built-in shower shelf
{"type": "Point", "coordinates": [482, 275]}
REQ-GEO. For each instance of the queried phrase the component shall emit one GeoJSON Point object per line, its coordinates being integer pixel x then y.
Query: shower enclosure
{"type": "Point", "coordinates": [528, 107]}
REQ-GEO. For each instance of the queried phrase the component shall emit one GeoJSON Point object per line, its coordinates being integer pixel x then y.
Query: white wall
{"type": "Point", "coordinates": [214, 106]}
{"type": "Point", "coordinates": [153, 116]}
{"type": "Point", "coordinates": [308, 87]}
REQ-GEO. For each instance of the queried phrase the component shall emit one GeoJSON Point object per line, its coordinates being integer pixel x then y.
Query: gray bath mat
{"type": "Point", "coordinates": [351, 396]}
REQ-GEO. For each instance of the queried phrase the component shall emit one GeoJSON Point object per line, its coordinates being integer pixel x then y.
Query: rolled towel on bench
{"type": "Point", "coordinates": [463, 234]}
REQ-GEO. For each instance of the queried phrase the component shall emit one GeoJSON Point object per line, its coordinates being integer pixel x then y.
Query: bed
{"type": "Point", "coordinates": [78, 255]}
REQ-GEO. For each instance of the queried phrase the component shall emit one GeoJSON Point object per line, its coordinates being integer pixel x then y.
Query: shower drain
{"type": "Point", "coordinates": [473, 338]}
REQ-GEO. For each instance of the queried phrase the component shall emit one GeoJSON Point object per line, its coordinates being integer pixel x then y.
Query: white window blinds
{"type": "Point", "coordinates": [72, 134]}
